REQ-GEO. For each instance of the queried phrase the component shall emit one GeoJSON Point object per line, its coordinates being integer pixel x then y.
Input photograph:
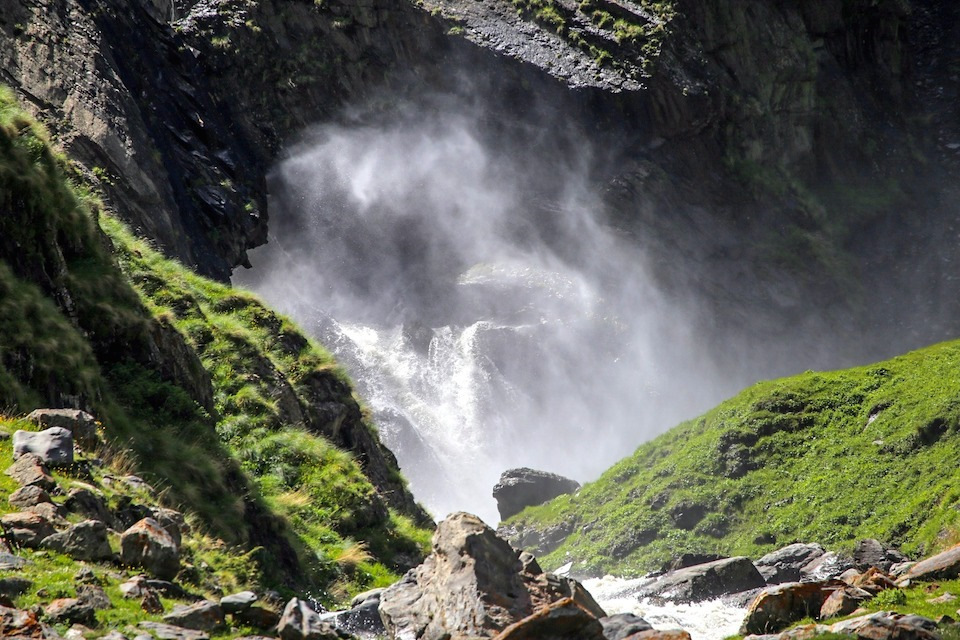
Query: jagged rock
{"type": "Point", "coordinates": [472, 584]}
{"type": "Point", "coordinates": [300, 622]}
{"type": "Point", "coordinates": [80, 424]}
{"type": "Point", "coordinates": [237, 602]}
{"type": "Point", "coordinates": [259, 617]}
{"type": "Point", "coordinates": [86, 576]}
{"type": "Point", "coordinates": [94, 596]}
{"type": "Point", "coordinates": [14, 586]}
{"type": "Point", "coordinates": [150, 602]}
{"type": "Point", "coordinates": [887, 625]}
{"type": "Point", "coordinates": [146, 544]}
{"type": "Point", "coordinates": [828, 566]}
{"type": "Point", "coordinates": [87, 503]}
{"type": "Point", "coordinates": [561, 620]}
{"type": "Point", "coordinates": [86, 540]}
{"type": "Point", "coordinates": [524, 487]}
{"type": "Point", "coordinates": [873, 553]}
{"type": "Point", "coordinates": [29, 470]}
{"type": "Point", "coordinates": [842, 602]}
{"type": "Point", "coordinates": [54, 446]}
{"type": "Point", "coordinates": [17, 624]}
{"type": "Point", "coordinates": [705, 581]}
{"type": "Point", "coordinates": [28, 496]}
{"type": "Point", "coordinates": [202, 616]}
{"type": "Point", "coordinates": [114, 635]}
{"type": "Point", "coordinates": [784, 565]}
{"type": "Point", "coordinates": [777, 606]}
{"type": "Point", "coordinates": [50, 511]}
{"type": "Point", "coordinates": [943, 566]}
{"type": "Point", "coordinates": [173, 521]}
{"type": "Point", "coordinates": [134, 587]}
{"type": "Point", "coordinates": [165, 631]}
{"type": "Point", "coordinates": [873, 581]}
{"type": "Point", "coordinates": [69, 610]}
{"type": "Point", "coordinates": [363, 616]}
{"type": "Point", "coordinates": [128, 512]}
{"type": "Point", "coordinates": [690, 560]}
{"type": "Point", "coordinates": [27, 528]}
{"type": "Point", "coordinates": [621, 625]}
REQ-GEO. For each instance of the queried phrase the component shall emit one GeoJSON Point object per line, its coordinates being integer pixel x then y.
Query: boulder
{"type": "Point", "coordinates": [887, 625]}
{"type": "Point", "coordinates": [10, 562]}
{"type": "Point", "coordinates": [657, 634]}
{"type": "Point", "coordinates": [69, 610]}
{"type": "Point", "coordinates": [86, 540]}
{"type": "Point", "coordinates": [943, 566]}
{"type": "Point", "coordinates": [873, 581]}
{"type": "Point", "coordinates": [564, 619]}
{"type": "Point", "coordinates": [94, 596]}
{"type": "Point", "coordinates": [29, 470]}
{"type": "Point", "coordinates": [146, 544]}
{"type": "Point", "coordinates": [829, 566]}
{"type": "Point", "coordinates": [262, 617]}
{"type": "Point", "coordinates": [873, 553]}
{"type": "Point", "coordinates": [173, 521]}
{"type": "Point", "coordinates": [28, 496]}
{"type": "Point", "coordinates": [50, 511]}
{"type": "Point", "coordinates": [842, 602]}
{"type": "Point", "coordinates": [87, 503]}
{"type": "Point", "coordinates": [54, 446]}
{"type": "Point", "coordinates": [621, 625]}
{"type": "Point", "coordinates": [685, 560]}
{"type": "Point", "coordinates": [237, 602]}
{"type": "Point", "coordinates": [27, 528]}
{"type": "Point", "coordinates": [472, 584]}
{"type": "Point", "coordinates": [363, 616]}
{"type": "Point", "coordinates": [201, 616]}
{"type": "Point", "coordinates": [165, 631]}
{"type": "Point", "coordinates": [705, 581]}
{"type": "Point", "coordinates": [16, 623]}
{"type": "Point", "coordinates": [150, 602]}
{"type": "Point", "coordinates": [13, 586]}
{"type": "Point", "coordinates": [80, 424]}
{"type": "Point", "coordinates": [784, 565]}
{"type": "Point", "coordinates": [521, 488]}
{"type": "Point", "coordinates": [780, 605]}
{"type": "Point", "coordinates": [300, 622]}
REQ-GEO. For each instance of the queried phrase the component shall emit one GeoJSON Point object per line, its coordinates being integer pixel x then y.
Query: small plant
{"type": "Point", "coordinates": [889, 598]}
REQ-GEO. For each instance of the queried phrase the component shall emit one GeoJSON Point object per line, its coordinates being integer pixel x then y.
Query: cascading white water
{"type": "Point", "coordinates": [487, 314]}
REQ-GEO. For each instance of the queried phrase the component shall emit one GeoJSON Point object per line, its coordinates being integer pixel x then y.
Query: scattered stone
{"type": "Point", "coordinates": [781, 605]}
{"type": "Point", "coordinates": [146, 544]}
{"type": "Point", "coordinates": [621, 625]}
{"type": "Point", "coordinates": [17, 623]}
{"type": "Point", "coordinates": [300, 622]}
{"type": "Point", "coordinates": [49, 511]}
{"type": "Point", "coordinates": [94, 596]}
{"type": "Point", "coordinates": [87, 503]}
{"type": "Point", "coordinates": [10, 562]}
{"type": "Point", "coordinates": [945, 620]}
{"type": "Point", "coordinates": [842, 602]}
{"type": "Point", "coordinates": [873, 581]}
{"type": "Point", "coordinates": [829, 566]}
{"type": "Point", "coordinates": [86, 540]}
{"type": "Point", "coordinates": [472, 584]}
{"type": "Point", "coordinates": [237, 602]}
{"type": "Point", "coordinates": [77, 632]}
{"type": "Point", "coordinates": [150, 602]}
{"type": "Point", "coordinates": [54, 446]}
{"type": "Point", "coordinates": [262, 618]}
{"type": "Point", "coordinates": [28, 496]}
{"type": "Point", "coordinates": [656, 634]}
{"type": "Point", "coordinates": [80, 424]}
{"type": "Point", "coordinates": [69, 610]}
{"type": "Point", "coordinates": [29, 470]}
{"type": "Point", "coordinates": [784, 565]}
{"type": "Point", "coordinates": [114, 635]}
{"type": "Point", "coordinates": [943, 566]}
{"type": "Point", "coordinates": [134, 587]}
{"type": "Point", "coordinates": [172, 590]}
{"type": "Point", "coordinates": [524, 487]}
{"type": "Point", "coordinates": [172, 521]}
{"type": "Point", "coordinates": [873, 553]}
{"type": "Point", "coordinates": [945, 598]}
{"type": "Point", "coordinates": [887, 625]}
{"type": "Point", "coordinates": [14, 586]}
{"type": "Point", "coordinates": [561, 620]}
{"type": "Point", "coordinates": [202, 616]}
{"type": "Point", "coordinates": [705, 581]}
{"type": "Point", "coordinates": [26, 528]}
{"type": "Point", "coordinates": [137, 483]}
{"type": "Point", "coordinates": [87, 576]}
{"type": "Point", "coordinates": [165, 631]}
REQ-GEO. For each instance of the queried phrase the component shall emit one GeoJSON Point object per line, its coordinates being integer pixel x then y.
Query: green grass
{"type": "Point", "coordinates": [827, 457]}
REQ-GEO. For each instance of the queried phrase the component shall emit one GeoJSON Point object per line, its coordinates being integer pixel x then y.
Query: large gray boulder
{"type": "Point", "coordinates": [300, 622]}
{"type": "Point", "coordinates": [784, 565]}
{"type": "Point", "coordinates": [54, 446]}
{"type": "Point", "coordinates": [81, 424]}
{"type": "Point", "coordinates": [524, 487]}
{"type": "Point", "coordinates": [473, 584]}
{"type": "Point", "coordinates": [85, 540]}
{"type": "Point", "coordinates": [146, 544]}
{"type": "Point", "coordinates": [705, 581]}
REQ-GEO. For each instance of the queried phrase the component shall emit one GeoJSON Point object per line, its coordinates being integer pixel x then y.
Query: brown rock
{"type": "Point", "coordinates": [560, 620]}
{"type": "Point", "coordinates": [94, 596]}
{"type": "Point", "coordinates": [150, 602]}
{"type": "Point", "coordinates": [943, 566]}
{"type": "Point", "coordinates": [886, 625]}
{"type": "Point", "coordinates": [146, 544]}
{"type": "Point", "coordinates": [656, 634]}
{"type": "Point", "coordinates": [28, 496]}
{"type": "Point", "coordinates": [85, 540]}
{"type": "Point", "coordinates": [873, 581]}
{"type": "Point", "coordinates": [30, 470]}
{"type": "Point", "coordinates": [26, 528]}
{"type": "Point", "coordinates": [16, 623]}
{"type": "Point", "coordinates": [776, 607]}
{"type": "Point", "coordinates": [69, 610]}
{"type": "Point", "coordinates": [205, 615]}
{"type": "Point", "coordinates": [843, 602]}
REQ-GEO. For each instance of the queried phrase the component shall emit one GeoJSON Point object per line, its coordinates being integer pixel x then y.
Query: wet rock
{"type": "Point", "coordinates": [705, 581]}
{"type": "Point", "coordinates": [238, 602]}
{"type": "Point", "coordinates": [28, 496]}
{"type": "Point", "coordinates": [94, 596]}
{"type": "Point", "coordinates": [202, 616]}
{"type": "Point", "coordinates": [657, 634]}
{"type": "Point", "coordinates": [146, 544]}
{"type": "Point", "coordinates": [829, 566]}
{"type": "Point", "coordinates": [778, 606]}
{"type": "Point", "coordinates": [80, 424]}
{"type": "Point", "coordinates": [86, 540]}
{"type": "Point", "coordinates": [873, 553]}
{"type": "Point", "coordinates": [29, 470]}
{"type": "Point", "coordinates": [621, 625]}
{"type": "Point", "coordinates": [784, 565]}
{"type": "Point", "coordinates": [69, 610]}
{"type": "Point", "coordinates": [26, 528]}
{"type": "Point", "coordinates": [300, 622]}
{"type": "Point", "coordinates": [472, 584]}
{"type": "Point", "coordinates": [943, 566]}
{"type": "Point", "coordinates": [165, 631]}
{"type": "Point", "coordinates": [87, 503]}
{"type": "Point", "coordinates": [17, 623]}
{"type": "Point", "coordinates": [54, 446]}
{"type": "Point", "coordinates": [524, 487]}
{"type": "Point", "coordinates": [842, 602]}
{"type": "Point", "coordinates": [363, 616]}
{"type": "Point", "coordinates": [561, 620]}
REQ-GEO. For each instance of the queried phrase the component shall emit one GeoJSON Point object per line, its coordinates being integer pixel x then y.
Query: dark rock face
{"type": "Point", "coordinates": [873, 553]}
{"type": "Point", "coordinates": [705, 581]}
{"type": "Point", "coordinates": [202, 616]}
{"type": "Point", "coordinates": [524, 487]}
{"type": "Point", "coordinates": [622, 625]}
{"type": "Point", "coordinates": [784, 565]}
{"type": "Point", "coordinates": [86, 540]}
{"type": "Point", "coordinates": [473, 584]}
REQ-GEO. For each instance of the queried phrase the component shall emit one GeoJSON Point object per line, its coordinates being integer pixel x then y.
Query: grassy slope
{"type": "Point", "coordinates": [73, 330]}
{"type": "Point", "coordinates": [826, 457]}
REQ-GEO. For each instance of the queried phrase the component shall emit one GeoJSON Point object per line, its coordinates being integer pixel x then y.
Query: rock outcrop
{"type": "Point", "coordinates": [525, 487]}
{"type": "Point", "coordinates": [706, 581]}
{"type": "Point", "coordinates": [785, 564]}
